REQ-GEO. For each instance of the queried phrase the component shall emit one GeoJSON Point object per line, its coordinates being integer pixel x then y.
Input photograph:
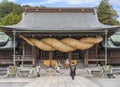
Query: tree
{"type": "Point", "coordinates": [8, 7]}
{"type": "Point", "coordinates": [10, 19]}
{"type": "Point", "coordinates": [106, 13]}
{"type": "Point", "coordinates": [26, 6]}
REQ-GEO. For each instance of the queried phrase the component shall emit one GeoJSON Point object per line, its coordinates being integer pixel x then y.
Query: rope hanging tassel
{"type": "Point", "coordinates": [63, 45]}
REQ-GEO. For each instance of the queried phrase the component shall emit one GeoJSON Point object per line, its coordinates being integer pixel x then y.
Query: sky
{"type": "Point", "coordinates": [68, 3]}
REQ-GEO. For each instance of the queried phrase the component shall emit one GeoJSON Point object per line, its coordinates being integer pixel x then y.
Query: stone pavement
{"type": "Point", "coordinates": [14, 82]}
{"type": "Point", "coordinates": [79, 72]}
{"type": "Point", "coordinates": [50, 78]}
{"type": "Point", "coordinates": [106, 82]}
{"type": "Point", "coordinates": [61, 81]}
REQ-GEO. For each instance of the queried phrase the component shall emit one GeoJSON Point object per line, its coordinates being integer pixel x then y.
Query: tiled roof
{"type": "Point", "coordinates": [60, 19]}
{"type": "Point", "coordinates": [113, 42]}
{"type": "Point", "coordinates": [3, 38]}
{"type": "Point", "coordinates": [6, 42]}
{"type": "Point", "coordinates": [9, 45]}
{"type": "Point", "coordinates": [116, 39]}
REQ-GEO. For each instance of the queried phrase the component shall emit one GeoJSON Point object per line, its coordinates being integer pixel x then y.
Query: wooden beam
{"type": "Point", "coordinates": [96, 59]}
{"type": "Point", "coordinates": [47, 10]}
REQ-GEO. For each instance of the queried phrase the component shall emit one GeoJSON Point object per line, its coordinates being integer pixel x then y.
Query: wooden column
{"type": "Point", "coordinates": [86, 58]}
{"type": "Point", "coordinates": [33, 56]}
{"type": "Point", "coordinates": [37, 53]}
{"type": "Point", "coordinates": [106, 45]}
{"type": "Point", "coordinates": [96, 53]}
{"type": "Point", "coordinates": [70, 56]}
{"type": "Point", "coordinates": [14, 51]}
{"type": "Point", "coordinates": [23, 52]}
{"type": "Point", "coordinates": [50, 58]}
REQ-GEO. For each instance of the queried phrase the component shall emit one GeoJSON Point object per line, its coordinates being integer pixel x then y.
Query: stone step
{"type": "Point", "coordinates": [116, 70]}
{"type": "Point", "coordinates": [80, 65]}
{"type": "Point", "coordinates": [3, 70]}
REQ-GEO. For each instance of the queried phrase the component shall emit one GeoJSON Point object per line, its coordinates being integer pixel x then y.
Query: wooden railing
{"type": "Point", "coordinates": [96, 58]}
{"type": "Point", "coordinates": [9, 60]}
{"type": "Point", "coordinates": [23, 57]}
{"type": "Point", "coordinates": [6, 60]}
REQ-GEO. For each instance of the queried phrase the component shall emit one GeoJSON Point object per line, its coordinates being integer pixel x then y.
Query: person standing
{"type": "Point", "coordinates": [67, 63]}
{"type": "Point", "coordinates": [38, 70]}
{"type": "Point", "coordinates": [72, 70]}
{"type": "Point", "coordinates": [57, 66]}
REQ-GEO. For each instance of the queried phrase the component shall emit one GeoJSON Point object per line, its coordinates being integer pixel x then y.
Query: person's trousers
{"type": "Point", "coordinates": [72, 75]}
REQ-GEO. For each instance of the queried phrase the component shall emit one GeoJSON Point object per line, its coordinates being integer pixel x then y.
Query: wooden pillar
{"type": "Point", "coordinates": [86, 58]}
{"type": "Point", "coordinates": [70, 56]}
{"type": "Point", "coordinates": [96, 53]}
{"type": "Point", "coordinates": [50, 58]}
{"type": "Point", "coordinates": [14, 51]}
{"type": "Point", "coordinates": [37, 53]}
{"type": "Point", "coordinates": [33, 56]}
{"type": "Point", "coordinates": [106, 50]}
{"type": "Point", "coordinates": [23, 52]}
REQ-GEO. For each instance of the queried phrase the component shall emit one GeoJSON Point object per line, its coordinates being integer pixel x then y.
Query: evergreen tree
{"type": "Point", "coordinates": [8, 7]}
{"type": "Point", "coordinates": [11, 19]}
{"type": "Point", "coordinates": [106, 13]}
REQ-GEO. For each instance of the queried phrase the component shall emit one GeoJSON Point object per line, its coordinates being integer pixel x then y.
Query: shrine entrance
{"type": "Point", "coordinates": [50, 58]}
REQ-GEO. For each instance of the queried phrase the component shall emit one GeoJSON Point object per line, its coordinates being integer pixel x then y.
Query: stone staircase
{"type": "Point", "coordinates": [3, 70]}
{"type": "Point", "coordinates": [80, 65]}
{"type": "Point", "coordinates": [116, 70]}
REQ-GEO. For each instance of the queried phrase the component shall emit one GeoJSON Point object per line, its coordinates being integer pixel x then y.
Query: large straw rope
{"type": "Point", "coordinates": [91, 40]}
{"type": "Point", "coordinates": [57, 44]}
{"type": "Point", "coordinates": [27, 40]}
{"type": "Point", "coordinates": [63, 45]}
{"type": "Point", "coordinates": [76, 43]}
